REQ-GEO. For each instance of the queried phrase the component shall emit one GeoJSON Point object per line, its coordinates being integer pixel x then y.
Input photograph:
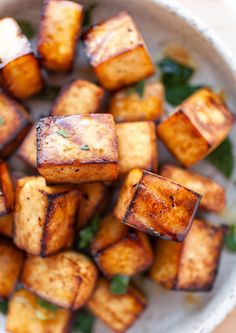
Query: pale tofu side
{"type": "Point", "coordinates": [213, 194]}
{"type": "Point", "coordinates": [115, 47]}
{"type": "Point", "coordinates": [137, 146]}
{"type": "Point", "coordinates": [157, 205]}
{"type": "Point", "coordinates": [66, 279]}
{"type": "Point", "coordinates": [11, 261]}
{"type": "Point", "coordinates": [20, 70]}
{"type": "Point", "coordinates": [118, 312]}
{"type": "Point", "coordinates": [7, 195]}
{"type": "Point", "coordinates": [196, 127]}
{"type": "Point", "coordinates": [27, 151]}
{"type": "Point", "coordinates": [78, 97]}
{"type": "Point", "coordinates": [77, 149]}
{"type": "Point", "coordinates": [58, 33]}
{"type": "Point", "coordinates": [25, 312]}
{"type": "Point", "coordinates": [6, 225]}
{"type": "Point", "coordinates": [44, 216]}
{"type": "Point", "coordinates": [126, 106]}
{"type": "Point", "coordinates": [15, 123]}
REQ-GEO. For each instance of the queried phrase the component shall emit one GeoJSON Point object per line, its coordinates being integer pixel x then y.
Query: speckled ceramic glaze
{"type": "Point", "coordinates": [162, 22]}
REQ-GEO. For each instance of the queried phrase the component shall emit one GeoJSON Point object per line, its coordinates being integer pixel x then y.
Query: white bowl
{"type": "Point", "coordinates": [161, 22]}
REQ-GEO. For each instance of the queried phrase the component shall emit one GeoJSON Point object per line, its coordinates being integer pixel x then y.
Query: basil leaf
{"type": "Point", "coordinates": [3, 306]}
{"type": "Point", "coordinates": [175, 95]}
{"type": "Point", "coordinates": [46, 305]}
{"type": "Point", "coordinates": [88, 233]}
{"type": "Point", "coordinates": [230, 238]}
{"type": "Point", "coordinates": [88, 14]}
{"type": "Point", "coordinates": [119, 284]}
{"type": "Point", "coordinates": [84, 321]}
{"type": "Point", "coordinates": [222, 158]}
{"type": "Point", "coordinates": [27, 28]}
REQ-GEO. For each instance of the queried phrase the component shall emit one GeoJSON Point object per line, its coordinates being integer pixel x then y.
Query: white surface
{"type": "Point", "coordinates": [169, 311]}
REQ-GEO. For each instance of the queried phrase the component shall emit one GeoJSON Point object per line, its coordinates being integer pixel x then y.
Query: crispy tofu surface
{"type": "Point", "coordinates": [115, 47]}
{"type": "Point", "coordinates": [66, 279]}
{"type": "Point", "coordinates": [6, 225]}
{"type": "Point", "coordinates": [77, 149]}
{"type": "Point", "coordinates": [156, 205]}
{"type": "Point", "coordinates": [27, 151]}
{"type": "Point", "coordinates": [7, 195]}
{"type": "Point", "coordinates": [118, 312]}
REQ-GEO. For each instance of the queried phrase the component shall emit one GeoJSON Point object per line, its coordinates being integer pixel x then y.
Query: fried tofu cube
{"type": "Point", "coordinates": [77, 149]}
{"type": "Point", "coordinates": [44, 216]}
{"type": "Point", "coordinates": [213, 194]}
{"type": "Point", "coordinates": [66, 279]}
{"type": "Point", "coordinates": [27, 151]}
{"type": "Point", "coordinates": [117, 52]}
{"type": "Point", "coordinates": [58, 34]}
{"type": "Point", "coordinates": [118, 312]}
{"type": "Point", "coordinates": [129, 106]}
{"type": "Point", "coordinates": [14, 124]}
{"type": "Point", "coordinates": [137, 146]}
{"type": "Point", "coordinates": [7, 195]}
{"type": "Point", "coordinates": [196, 127]}
{"type": "Point", "coordinates": [20, 71]}
{"type": "Point", "coordinates": [119, 250]}
{"type": "Point", "coordinates": [11, 261]}
{"type": "Point", "coordinates": [6, 225]}
{"type": "Point", "coordinates": [26, 315]}
{"type": "Point", "coordinates": [78, 97]}
{"type": "Point", "coordinates": [156, 205]}
{"type": "Point", "coordinates": [92, 198]}
{"type": "Point", "coordinates": [191, 265]}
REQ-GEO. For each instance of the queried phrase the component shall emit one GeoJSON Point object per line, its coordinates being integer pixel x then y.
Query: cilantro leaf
{"type": "Point", "coordinates": [119, 284]}
{"type": "Point", "coordinates": [84, 321]}
{"type": "Point", "coordinates": [175, 95]}
{"type": "Point", "coordinates": [3, 306]}
{"type": "Point", "coordinates": [88, 14]}
{"type": "Point", "coordinates": [88, 233]}
{"type": "Point", "coordinates": [46, 305]}
{"type": "Point", "coordinates": [230, 238]}
{"type": "Point", "coordinates": [222, 158]}
{"type": "Point", "coordinates": [84, 147]}
{"type": "Point", "coordinates": [27, 28]}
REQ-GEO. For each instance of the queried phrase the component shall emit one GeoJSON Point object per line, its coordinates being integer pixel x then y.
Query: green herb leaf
{"type": "Point", "coordinates": [88, 14]}
{"type": "Point", "coordinates": [63, 133]}
{"type": "Point", "coordinates": [138, 89]}
{"type": "Point", "coordinates": [119, 284]}
{"type": "Point", "coordinates": [49, 93]}
{"type": "Point", "coordinates": [46, 305]}
{"type": "Point", "coordinates": [175, 95]}
{"type": "Point", "coordinates": [230, 238]}
{"type": "Point", "coordinates": [222, 158]}
{"type": "Point", "coordinates": [3, 306]}
{"type": "Point", "coordinates": [26, 28]}
{"type": "Point", "coordinates": [84, 321]}
{"type": "Point", "coordinates": [2, 121]}
{"type": "Point", "coordinates": [88, 233]}
{"type": "Point", "coordinates": [84, 147]}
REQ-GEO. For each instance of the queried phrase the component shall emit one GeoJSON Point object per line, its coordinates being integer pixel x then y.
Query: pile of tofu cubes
{"type": "Point", "coordinates": [78, 154]}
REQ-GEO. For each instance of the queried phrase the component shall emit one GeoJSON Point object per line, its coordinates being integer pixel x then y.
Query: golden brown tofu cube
{"type": "Point", "coordinates": [7, 196]}
{"type": "Point", "coordinates": [44, 216]}
{"type": "Point", "coordinates": [78, 97]}
{"type": "Point", "coordinates": [156, 205]}
{"type": "Point", "coordinates": [213, 194]}
{"type": "Point", "coordinates": [11, 261]}
{"type": "Point", "coordinates": [26, 315]}
{"type": "Point", "coordinates": [117, 52]}
{"type": "Point", "coordinates": [14, 124]}
{"type": "Point", "coordinates": [119, 250]}
{"type": "Point", "coordinates": [191, 265]}
{"type": "Point", "coordinates": [126, 106]}
{"type": "Point", "coordinates": [20, 72]}
{"type": "Point", "coordinates": [66, 279]}
{"type": "Point", "coordinates": [58, 33]}
{"type": "Point", "coordinates": [27, 151]}
{"type": "Point", "coordinates": [77, 149]}
{"type": "Point", "coordinates": [6, 225]}
{"type": "Point", "coordinates": [118, 312]}
{"type": "Point", "coordinates": [137, 146]}
{"type": "Point", "coordinates": [92, 198]}
{"type": "Point", "coordinates": [196, 127]}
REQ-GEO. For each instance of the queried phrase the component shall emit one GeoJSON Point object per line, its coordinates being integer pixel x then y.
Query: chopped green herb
{"type": "Point", "coordinates": [26, 28]}
{"type": "Point", "coordinates": [49, 93]}
{"type": "Point", "coordinates": [88, 233]}
{"type": "Point", "coordinates": [46, 305]}
{"type": "Point", "coordinates": [2, 121]}
{"type": "Point", "coordinates": [230, 238]}
{"type": "Point", "coordinates": [84, 321]}
{"type": "Point", "coordinates": [88, 14]}
{"type": "Point", "coordinates": [119, 284]}
{"type": "Point", "coordinates": [63, 133]}
{"type": "Point", "coordinates": [222, 158]}
{"type": "Point", "coordinates": [84, 147]}
{"type": "Point", "coordinates": [138, 89]}
{"type": "Point", "coordinates": [3, 306]}
{"type": "Point", "coordinates": [175, 95]}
